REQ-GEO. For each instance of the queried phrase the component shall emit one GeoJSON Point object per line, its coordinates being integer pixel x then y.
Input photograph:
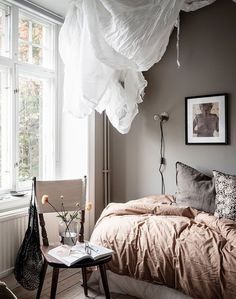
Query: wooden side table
{"type": "Point", "coordinates": [49, 260]}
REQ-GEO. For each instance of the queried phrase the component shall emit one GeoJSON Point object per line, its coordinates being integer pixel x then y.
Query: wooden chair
{"type": "Point", "coordinates": [73, 191]}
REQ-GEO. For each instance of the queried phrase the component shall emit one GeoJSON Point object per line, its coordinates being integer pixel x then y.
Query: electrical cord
{"type": "Point", "coordinates": [162, 159]}
{"type": "Point", "coordinates": [163, 117]}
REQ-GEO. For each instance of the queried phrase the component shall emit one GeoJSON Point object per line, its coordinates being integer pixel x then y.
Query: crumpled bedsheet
{"type": "Point", "coordinates": [182, 248]}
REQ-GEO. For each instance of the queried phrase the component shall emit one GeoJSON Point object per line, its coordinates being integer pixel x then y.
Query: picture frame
{"type": "Point", "coordinates": [206, 119]}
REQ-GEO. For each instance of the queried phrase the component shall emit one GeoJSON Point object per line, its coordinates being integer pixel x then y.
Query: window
{"type": "Point", "coordinates": [28, 81]}
{"type": "Point", "coordinates": [34, 127]}
{"type": "Point", "coordinates": [35, 41]}
{"type": "Point", "coordinates": [5, 124]}
{"type": "Point", "coordinates": [5, 30]}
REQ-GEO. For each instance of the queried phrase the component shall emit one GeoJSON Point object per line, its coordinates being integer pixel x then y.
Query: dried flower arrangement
{"type": "Point", "coordinates": [66, 217]}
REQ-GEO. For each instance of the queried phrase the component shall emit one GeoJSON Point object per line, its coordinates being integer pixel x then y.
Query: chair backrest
{"type": "Point", "coordinates": [68, 192]}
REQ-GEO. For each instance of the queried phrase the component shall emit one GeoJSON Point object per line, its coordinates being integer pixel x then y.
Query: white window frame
{"type": "Point", "coordinates": [43, 22]}
{"type": "Point", "coordinates": [8, 122]}
{"type": "Point", "coordinates": [44, 170]}
{"type": "Point", "coordinates": [15, 67]}
{"type": "Point", "coordinates": [2, 5]}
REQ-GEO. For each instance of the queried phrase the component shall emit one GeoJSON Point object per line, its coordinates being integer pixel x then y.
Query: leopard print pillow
{"type": "Point", "coordinates": [225, 186]}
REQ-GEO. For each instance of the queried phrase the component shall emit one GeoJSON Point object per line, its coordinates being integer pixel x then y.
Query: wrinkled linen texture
{"type": "Point", "coordinates": [105, 45]}
{"type": "Point", "coordinates": [182, 248]}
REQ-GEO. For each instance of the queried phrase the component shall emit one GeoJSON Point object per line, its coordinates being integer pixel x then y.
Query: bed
{"type": "Point", "coordinates": [180, 247]}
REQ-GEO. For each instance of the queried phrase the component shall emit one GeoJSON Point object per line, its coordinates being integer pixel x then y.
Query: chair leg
{"type": "Point", "coordinates": [104, 280]}
{"type": "Point", "coordinates": [55, 275]}
{"type": "Point", "coordinates": [84, 275]}
{"type": "Point", "coordinates": [42, 276]}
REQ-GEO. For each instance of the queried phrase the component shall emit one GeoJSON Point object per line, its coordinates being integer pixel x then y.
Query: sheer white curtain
{"type": "Point", "coordinates": [105, 46]}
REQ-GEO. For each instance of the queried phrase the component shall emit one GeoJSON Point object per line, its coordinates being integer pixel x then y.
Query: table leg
{"type": "Point", "coordinates": [104, 280]}
{"type": "Point", "coordinates": [42, 276]}
{"type": "Point", "coordinates": [55, 275]}
{"type": "Point", "coordinates": [84, 275]}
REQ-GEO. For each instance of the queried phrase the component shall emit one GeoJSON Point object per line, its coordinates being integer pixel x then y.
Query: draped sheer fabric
{"type": "Point", "coordinates": [191, 5]}
{"type": "Point", "coordinates": [106, 45]}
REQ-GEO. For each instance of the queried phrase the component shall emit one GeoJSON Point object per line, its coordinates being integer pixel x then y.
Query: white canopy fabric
{"type": "Point", "coordinates": [191, 5]}
{"type": "Point", "coordinates": [106, 44]}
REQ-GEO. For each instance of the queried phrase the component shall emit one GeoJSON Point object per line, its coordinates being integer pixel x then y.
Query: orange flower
{"type": "Point", "coordinates": [44, 199]}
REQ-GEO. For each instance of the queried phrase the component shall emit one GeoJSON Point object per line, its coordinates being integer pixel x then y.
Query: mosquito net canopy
{"type": "Point", "coordinates": [106, 45]}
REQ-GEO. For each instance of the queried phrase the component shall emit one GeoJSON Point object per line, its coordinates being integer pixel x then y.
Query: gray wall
{"type": "Point", "coordinates": [208, 66]}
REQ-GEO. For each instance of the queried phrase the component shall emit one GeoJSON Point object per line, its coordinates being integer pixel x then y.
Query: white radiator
{"type": "Point", "coordinates": [12, 231]}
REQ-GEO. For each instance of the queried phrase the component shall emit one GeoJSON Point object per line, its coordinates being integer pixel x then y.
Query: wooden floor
{"type": "Point", "coordinates": [69, 287]}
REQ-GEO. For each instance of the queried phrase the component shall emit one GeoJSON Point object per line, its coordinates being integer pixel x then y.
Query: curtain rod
{"type": "Point", "coordinates": [42, 10]}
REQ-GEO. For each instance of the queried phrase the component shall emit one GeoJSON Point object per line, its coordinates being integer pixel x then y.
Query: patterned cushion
{"type": "Point", "coordinates": [225, 185]}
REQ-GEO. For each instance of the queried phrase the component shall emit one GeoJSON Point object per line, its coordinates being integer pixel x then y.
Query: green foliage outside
{"type": "Point", "coordinates": [29, 106]}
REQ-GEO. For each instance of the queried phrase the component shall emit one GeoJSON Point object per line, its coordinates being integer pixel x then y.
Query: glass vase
{"type": "Point", "coordinates": [68, 232]}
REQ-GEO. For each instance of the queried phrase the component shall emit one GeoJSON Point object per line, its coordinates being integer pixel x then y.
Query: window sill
{"type": "Point", "coordinates": [10, 203]}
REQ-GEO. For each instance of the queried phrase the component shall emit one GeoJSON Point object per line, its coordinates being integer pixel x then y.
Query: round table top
{"type": "Point", "coordinates": [81, 264]}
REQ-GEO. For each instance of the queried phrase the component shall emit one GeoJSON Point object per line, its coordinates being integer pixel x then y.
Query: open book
{"type": "Point", "coordinates": [70, 255]}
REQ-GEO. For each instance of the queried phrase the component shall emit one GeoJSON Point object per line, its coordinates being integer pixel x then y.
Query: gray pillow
{"type": "Point", "coordinates": [194, 189]}
{"type": "Point", "coordinates": [225, 185]}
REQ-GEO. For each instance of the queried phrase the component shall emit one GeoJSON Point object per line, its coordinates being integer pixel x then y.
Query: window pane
{"type": "Point", "coordinates": [37, 34]}
{"type": "Point", "coordinates": [23, 52]}
{"type": "Point", "coordinates": [35, 41]}
{"type": "Point", "coordinates": [5, 120]}
{"type": "Point", "coordinates": [24, 29]}
{"type": "Point", "coordinates": [4, 30]}
{"type": "Point", "coordinates": [30, 98]}
{"type": "Point", "coordinates": [37, 55]}
{"type": "Point", "coordinates": [35, 129]}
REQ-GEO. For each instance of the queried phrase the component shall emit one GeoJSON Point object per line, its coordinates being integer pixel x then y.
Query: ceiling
{"type": "Point", "coordinates": [59, 7]}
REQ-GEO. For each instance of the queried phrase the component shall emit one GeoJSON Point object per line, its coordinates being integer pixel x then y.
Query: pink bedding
{"type": "Point", "coordinates": [182, 248]}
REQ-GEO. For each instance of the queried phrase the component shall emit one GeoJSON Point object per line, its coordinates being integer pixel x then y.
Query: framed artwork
{"type": "Point", "coordinates": [206, 119]}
